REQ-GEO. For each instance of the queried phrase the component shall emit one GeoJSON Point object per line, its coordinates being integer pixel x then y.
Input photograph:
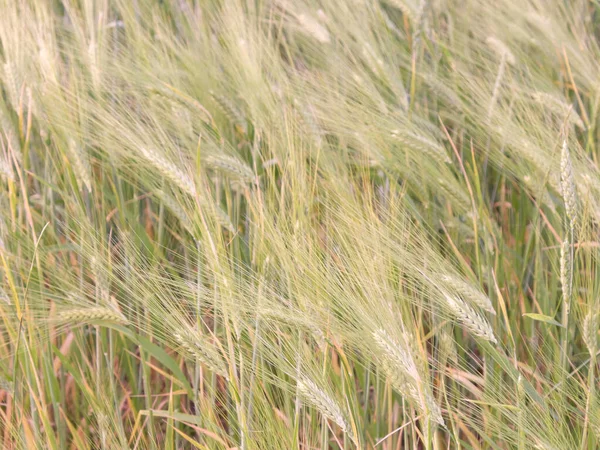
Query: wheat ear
{"type": "Point", "coordinates": [169, 171]}
{"type": "Point", "coordinates": [468, 292]}
{"type": "Point", "coordinates": [231, 166]}
{"type": "Point", "coordinates": [565, 272]}
{"type": "Point", "coordinates": [590, 331]}
{"type": "Point", "coordinates": [195, 344]}
{"type": "Point", "coordinates": [326, 405]}
{"type": "Point", "coordinates": [80, 164]}
{"type": "Point", "coordinates": [567, 184]}
{"type": "Point", "coordinates": [466, 315]}
{"type": "Point", "coordinates": [400, 366]}
{"type": "Point", "coordinates": [313, 28]}
{"type": "Point", "coordinates": [93, 314]}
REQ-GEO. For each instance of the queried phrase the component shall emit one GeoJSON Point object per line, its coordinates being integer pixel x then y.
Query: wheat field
{"type": "Point", "coordinates": [299, 224]}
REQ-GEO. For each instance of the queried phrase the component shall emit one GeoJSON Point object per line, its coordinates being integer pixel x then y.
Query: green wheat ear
{"type": "Point", "coordinates": [299, 224]}
{"type": "Point", "coordinates": [90, 315]}
{"type": "Point", "coordinates": [568, 187]}
{"type": "Point", "coordinates": [326, 405]}
{"type": "Point", "coordinates": [197, 346]}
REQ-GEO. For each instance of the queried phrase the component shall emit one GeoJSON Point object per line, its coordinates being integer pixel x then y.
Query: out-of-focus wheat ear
{"type": "Point", "coordinates": [399, 364]}
{"type": "Point", "coordinates": [220, 217]}
{"type": "Point", "coordinates": [541, 445]}
{"type": "Point", "coordinates": [447, 347]}
{"type": "Point", "coordinates": [442, 91]}
{"type": "Point", "coordinates": [175, 209]}
{"type": "Point", "coordinates": [12, 83]}
{"type": "Point", "coordinates": [80, 164]}
{"type": "Point", "coordinates": [501, 49]}
{"type": "Point", "coordinates": [408, 10]}
{"type": "Point", "coordinates": [169, 171]}
{"type": "Point", "coordinates": [433, 410]}
{"type": "Point", "coordinates": [175, 97]}
{"type": "Point", "coordinates": [565, 273]}
{"type": "Point", "coordinates": [199, 347]}
{"type": "Point", "coordinates": [454, 194]}
{"type": "Point", "coordinates": [397, 354]}
{"type": "Point", "coordinates": [421, 144]}
{"type": "Point", "coordinates": [308, 118]}
{"type": "Point", "coordinates": [506, 57]}
{"type": "Point", "coordinates": [230, 110]}
{"type": "Point", "coordinates": [311, 27]}
{"type": "Point", "coordinates": [231, 166]}
{"type": "Point", "coordinates": [6, 385]}
{"type": "Point", "coordinates": [542, 194]}
{"type": "Point", "coordinates": [3, 236]}
{"type": "Point", "coordinates": [6, 168]}
{"type": "Point", "coordinates": [4, 298]}
{"type": "Point", "coordinates": [567, 184]}
{"type": "Point", "coordinates": [9, 133]}
{"type": "Point", "coordinates": [559, 107]}
{"type": "Point", "coordinates": [92, 56]}
{"type": "Point", "coordinates": [468, 292]}
{"type": "Point", "coordinates": [419, 26]}
{"type": "Point", "coordinates": [466, 315]}
{"type": "Point", "coordinates": [325, 404]}
{"type": "Point", "coordinates": [590, 331]}
{"type": "Point", "coordinates": [416, 391]}
{"type": "Point", "coordinates": [90, 315]}
{"type": "Point", "coordinates": [521, 397]}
